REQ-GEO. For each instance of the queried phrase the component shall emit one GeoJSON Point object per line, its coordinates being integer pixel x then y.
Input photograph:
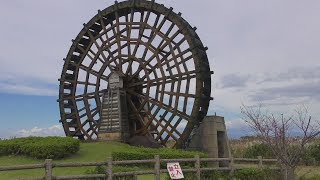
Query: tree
{"type": "Point", "coordinates": [286, 136]}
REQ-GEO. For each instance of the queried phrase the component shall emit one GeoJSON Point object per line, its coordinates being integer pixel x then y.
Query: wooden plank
{"type": "Point", "coordinates": [157, 167]}
{"type": "Point", "coordinates": [133, 161]}
{"type": "Point", "coordinates": [79, 164]}
{"type": "Point", "coordinates": [48, 165]}
{"type": "Point", "coordinates": [20, 167]}
{"type": "Point", "coordinates": [48, 169]}
{"type": "Point", "coordinates": [81, 176]}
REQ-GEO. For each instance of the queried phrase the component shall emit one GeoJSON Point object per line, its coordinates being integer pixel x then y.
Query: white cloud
{"type": "Point", "coordinates": [253, 39]}
{"type": "Point", "coordinates": [27, 89]}
{"type": "Point", "coordinates": [54, 130]}
{"type": "Point", "coordinates": [237, 128]}
{"type": "Point", "coordinates": [281, 90]}
{"type": "Point", "coordinates": [236, 124]}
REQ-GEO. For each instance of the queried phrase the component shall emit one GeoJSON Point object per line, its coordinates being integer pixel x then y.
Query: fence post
{"type": "Point", "coordinates": [109, 170]}
{"type": "Point", "coordinates": [231, 166]}
{"type": "Point", "coordinates": [260, 162]}
{"type": "Point", "coordinates": [157, 167]}
{"type": "Point", "coordinates": [48, 169]}
{"type": "Point", "coordinates": [197, 166]}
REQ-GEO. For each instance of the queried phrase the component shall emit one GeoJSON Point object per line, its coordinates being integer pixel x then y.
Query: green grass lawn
{"type": "Point", "coordinates": [89, 152]}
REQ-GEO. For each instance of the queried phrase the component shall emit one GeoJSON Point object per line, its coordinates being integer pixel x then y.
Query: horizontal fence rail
{"type": "Point", "coordinates": [48, 166]}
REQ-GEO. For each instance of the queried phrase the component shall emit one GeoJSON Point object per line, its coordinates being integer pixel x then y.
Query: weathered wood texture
{"type": "Point", "coordinates": [164, 67]}
{"type": "Point", "coordinates": [109, 174]}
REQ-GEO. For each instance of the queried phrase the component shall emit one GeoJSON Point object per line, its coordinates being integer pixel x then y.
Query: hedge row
{"type": "Point", "coordinates": [241, 174]}
{"type": "Point", "coordinates": [40, 147]}
{"type": "Point", "coordinates": [134, 153]}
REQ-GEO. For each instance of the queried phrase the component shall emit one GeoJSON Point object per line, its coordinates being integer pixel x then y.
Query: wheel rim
{"type": "Point", "coordinates": [157, 51]}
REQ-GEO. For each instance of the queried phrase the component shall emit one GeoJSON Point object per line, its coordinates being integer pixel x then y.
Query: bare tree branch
{"type": "Point", "coordinates": [286, 136]}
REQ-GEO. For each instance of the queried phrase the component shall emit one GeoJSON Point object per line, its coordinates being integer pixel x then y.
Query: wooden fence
{"type": "Point", "coordinates": [48, 165]}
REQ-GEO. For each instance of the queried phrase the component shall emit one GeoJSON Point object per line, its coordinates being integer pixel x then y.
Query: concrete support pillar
{"type": "Point", "coordinates": [211, 138]}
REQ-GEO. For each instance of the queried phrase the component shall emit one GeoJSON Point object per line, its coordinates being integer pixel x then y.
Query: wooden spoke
{"type": "Point", "coordinates": [161, 60]}
{"type": "Point", "coordinates": [161, 104]}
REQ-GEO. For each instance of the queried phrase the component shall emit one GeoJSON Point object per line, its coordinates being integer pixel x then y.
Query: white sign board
{"type": "Point", "coordinates": [175, 171]}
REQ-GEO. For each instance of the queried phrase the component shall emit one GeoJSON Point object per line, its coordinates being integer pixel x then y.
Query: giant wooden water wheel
{"type": "Point", "coordinates": [163, 64]}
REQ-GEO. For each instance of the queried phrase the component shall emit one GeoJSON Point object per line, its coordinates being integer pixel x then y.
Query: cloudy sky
{"type": "Point", "coordinates": [261, 51]}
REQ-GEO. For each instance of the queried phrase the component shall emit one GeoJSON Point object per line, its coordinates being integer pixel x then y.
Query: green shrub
{"type": "Point", "coordinates": [40, 147]}
{"type": "Point", "coordinates": [273, 174]}
{"type": "Point", "coordinates": [258, 150]}
{"type": "Point", "coordinates": [312, 156]}
{"type": "Point", "coordinates": [149, 153]}
{"type": "Point", "coordinates": [96, 170]}
{"type": "Point", "coordinates": [308, 159]}
{"type": "Point", "coordinates": [257, 174]}
{"type": "Point", "coordinates": [207, 175]}
{"type": "Point", "coordinates": [242, 174]}
{"type": "Point", "coordinates": [102, 170]}
{"type": "Point", "coordinates": [249, 173]}
{"type": "Point", "coordinates": [133, 153]}
{"type": "Point", "coordinates": [216, 175]}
